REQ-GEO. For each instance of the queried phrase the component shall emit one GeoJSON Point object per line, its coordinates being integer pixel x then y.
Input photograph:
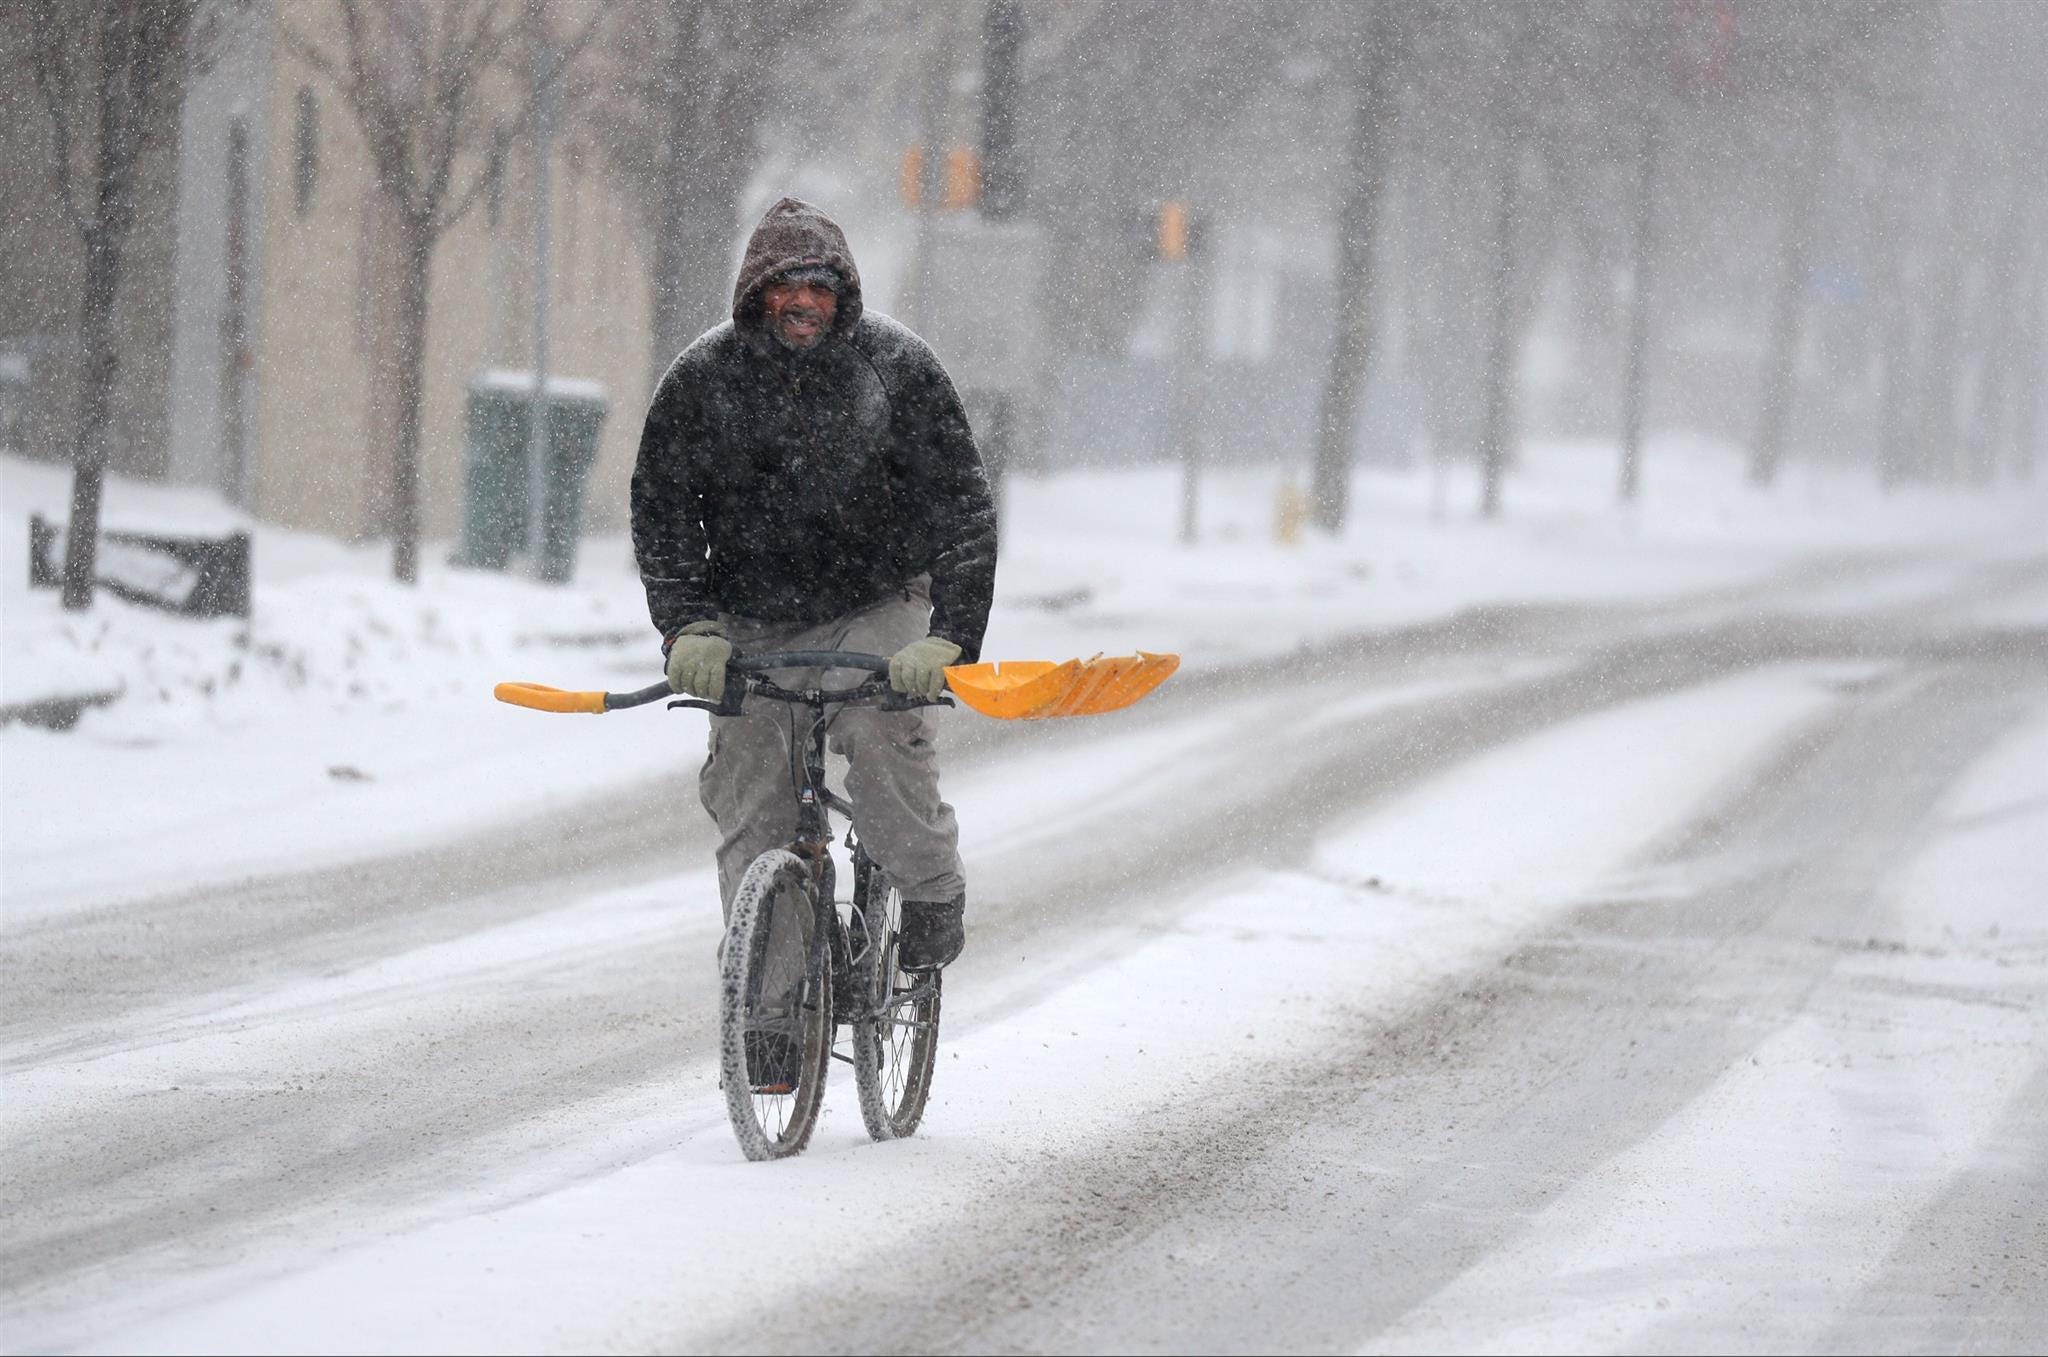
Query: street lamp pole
{"type": "Point", "coordinates": [537, 430]}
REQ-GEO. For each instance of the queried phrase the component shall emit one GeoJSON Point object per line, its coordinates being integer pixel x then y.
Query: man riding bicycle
{"type": "Point", "coordinates": [807, 481]}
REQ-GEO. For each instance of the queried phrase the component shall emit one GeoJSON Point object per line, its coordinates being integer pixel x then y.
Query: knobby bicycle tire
{"type": "Point", "coordinates": [896, 1033]}
{"type": "Point", "coordinates": [774, 1124]}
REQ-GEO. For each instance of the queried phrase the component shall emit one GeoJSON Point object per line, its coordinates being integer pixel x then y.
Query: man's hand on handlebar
{"type": "Point", "coordinates": [919, 669]}
{"type": "Point", "coordinates": [696, 661]}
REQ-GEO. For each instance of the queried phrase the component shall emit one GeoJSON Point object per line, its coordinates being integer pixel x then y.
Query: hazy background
{"type": "Point", "coordinates": [1418, 230]}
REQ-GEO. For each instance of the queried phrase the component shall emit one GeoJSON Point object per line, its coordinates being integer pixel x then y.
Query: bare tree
{"type": "Point", "coordinates": [109, 73]}
{"type": "Point", "coordinates": [688, 81]}
{"type": "Point", "coordinates": [1497, 433]}
{"type": "Point", "coordinates": [1375, 50]}
{"type": "Point", "coordinates": [1788, 303]}
{"type": "Point", "coordinates": [1649, 44]}
{"type": "Point", "coordinates": [419, 80]}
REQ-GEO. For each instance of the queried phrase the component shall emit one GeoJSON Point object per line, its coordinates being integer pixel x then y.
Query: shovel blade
{"type": "Point", "coordinates": [1037, 690]}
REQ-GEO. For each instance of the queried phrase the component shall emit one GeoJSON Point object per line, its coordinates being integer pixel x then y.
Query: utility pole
{"type": "Point", "coordinates": [1002, 186]}
{"type": "Point", "coordinates": [926, 177]}
{"type": "Point", "coordinates": [1498, 429]}
{"type": "Point", "coordinates": [1795, 241]}
{"type": "Point", "coordinates": [1180, 245]}
{"type": "Point", "coordinates": [1634, 396]}
{"type": "Point", "coordinates": [537, 430]}
{"type": "Point", "coordinates": [1002, 189]}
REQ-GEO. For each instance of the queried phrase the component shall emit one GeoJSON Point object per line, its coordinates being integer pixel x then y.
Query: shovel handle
{"type": "Point", "coordinates": [540, 697]}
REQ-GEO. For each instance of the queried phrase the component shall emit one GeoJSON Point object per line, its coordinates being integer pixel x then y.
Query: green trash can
{"type": "Point", "coordinates": [497, 488]}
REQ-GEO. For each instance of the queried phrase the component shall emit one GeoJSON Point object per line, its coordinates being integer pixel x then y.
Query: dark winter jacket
{"type": "Point", "coordinates": [801, 485]}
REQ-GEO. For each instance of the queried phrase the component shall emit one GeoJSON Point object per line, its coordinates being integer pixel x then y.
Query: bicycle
{"type": "Point", "coordinates": [792, 969]}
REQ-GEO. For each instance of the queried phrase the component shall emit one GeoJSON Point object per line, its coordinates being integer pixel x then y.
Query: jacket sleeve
{"type": "Point", "coordinates": [669, 536]}
{"type": "Point", "coordinates": [943, 470]}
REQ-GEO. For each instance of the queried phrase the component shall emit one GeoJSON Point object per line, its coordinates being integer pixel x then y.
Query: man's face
{"type": "Point", "coordinates": [799, 314]}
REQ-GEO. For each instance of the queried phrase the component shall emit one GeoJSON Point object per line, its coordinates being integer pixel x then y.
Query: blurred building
{"type": "Point", "coordinates": [282, 388]}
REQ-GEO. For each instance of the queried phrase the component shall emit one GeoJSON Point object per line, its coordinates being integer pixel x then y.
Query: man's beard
{"type": "Point", "coordinates": [812, 340]}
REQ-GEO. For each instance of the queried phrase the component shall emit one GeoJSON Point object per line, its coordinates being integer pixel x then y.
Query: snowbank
{"type": "Point", "coordinates": [351, 714]}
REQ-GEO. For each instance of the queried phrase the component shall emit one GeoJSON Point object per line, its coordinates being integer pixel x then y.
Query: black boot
{"type": "Point", "coordinates": [932, 933]}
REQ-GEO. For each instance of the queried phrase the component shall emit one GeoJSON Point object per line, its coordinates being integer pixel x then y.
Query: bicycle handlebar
{"type": "Point", "coordinates": [747, 670]}
{"type": "Point", "coordinates": [750, 668]}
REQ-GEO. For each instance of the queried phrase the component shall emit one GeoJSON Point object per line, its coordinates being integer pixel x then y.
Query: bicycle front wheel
{"type": "Point", "coordinates": [775, 1008]}
{"type": "Point", "coordinates": [896, 1036]}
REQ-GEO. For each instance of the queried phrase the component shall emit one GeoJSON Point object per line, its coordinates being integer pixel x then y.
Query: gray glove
{"type": "Point", "coordinates": [696, 661]}
{"type": "Point", "coordinates": [919, 669]}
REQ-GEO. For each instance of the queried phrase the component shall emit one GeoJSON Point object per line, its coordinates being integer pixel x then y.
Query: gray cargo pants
{"type": "Point", "coordinates": [894, 778]}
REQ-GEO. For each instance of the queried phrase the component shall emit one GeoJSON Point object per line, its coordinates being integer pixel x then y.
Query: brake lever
{"type": "Point", "coordinates": [729, 705]}
{"type": "Point", "coordinates": [896, 701]}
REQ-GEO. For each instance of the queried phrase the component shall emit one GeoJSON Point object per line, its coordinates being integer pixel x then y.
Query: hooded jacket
{"type": "Point", "coordinates": [804, 484]}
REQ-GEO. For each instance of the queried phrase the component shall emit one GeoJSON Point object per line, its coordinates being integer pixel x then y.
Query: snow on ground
{"type": "Point", "coordinates": [657, 1226]}
{"type": "Point", "coordinates": [350, 715]}
{"type": "Point", "coordinates": [1840, 1126]}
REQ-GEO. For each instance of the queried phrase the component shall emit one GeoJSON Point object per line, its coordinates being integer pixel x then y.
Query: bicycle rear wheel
{"type": "Point", "coordinates": [775, 1008]}
{"type": "Point", "coordinates": [896, 1037]}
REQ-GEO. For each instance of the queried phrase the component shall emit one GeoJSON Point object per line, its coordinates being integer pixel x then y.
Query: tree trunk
{"type": "Point", "coordinates": [681, 93]}
{"type": "Point", "coordinates": [1634, 395]}
{"type": "Point", "coordinates": [414, 271]}
{"type": "Point", "coordinates": [1893, 434]}
{"type": "Point", "coordinates": [1189, 380]}
{"type": "Point", "coordinates": [2032, 351]}
{"type": "Point", "coordinates": [1500, 357]}
{"type": "Point", "coordinates": [666, 320]}
{"type": "Point", "coordinates": [1934, 412]}
{"type": "Point", "coordinates": [692, 282]}
{"type": "Point", "coordinates": [1357, 230]}
{"type": "Point", "coordinates": [934, 95]}
{"type": "Point", "coordinates": [122, 85]}
{"type": "Point", "coordinates": [99, 361]}
{"type": "Point", "coordinates": [1998, 344]}
{"type": "Point", "coordinates": [1002, 170]}
{"type": "Point", "coordinates": [1781, 352]}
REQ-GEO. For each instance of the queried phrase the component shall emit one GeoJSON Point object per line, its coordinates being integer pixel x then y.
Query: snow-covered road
{"type": "Point", "coordinates": [1616, 977]}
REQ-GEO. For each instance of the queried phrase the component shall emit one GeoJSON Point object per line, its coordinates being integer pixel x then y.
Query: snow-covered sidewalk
{"type": "Point", "coordinates": [351, 716]}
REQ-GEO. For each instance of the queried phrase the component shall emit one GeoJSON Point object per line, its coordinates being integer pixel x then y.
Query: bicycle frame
{"type": "Point", "coordinates": [747, 677]}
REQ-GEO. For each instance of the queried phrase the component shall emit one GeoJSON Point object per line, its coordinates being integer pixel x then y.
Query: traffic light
{"type": "Point", "coordinates": [910, 179]}
{"type": "Point", "coordinates": [961, 189]}
{"type": "Point", "coordinates": [1172, 234]}
{"type": "Point", "coordinates": [963, 179]}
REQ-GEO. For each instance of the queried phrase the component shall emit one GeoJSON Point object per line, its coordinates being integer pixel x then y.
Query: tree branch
{"type": "Point", "coordinates": [528, 111]}
{"type": "Point", "coordinates": [50, 57]}
{"type": "Point", "coordinates": [376, 109]}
